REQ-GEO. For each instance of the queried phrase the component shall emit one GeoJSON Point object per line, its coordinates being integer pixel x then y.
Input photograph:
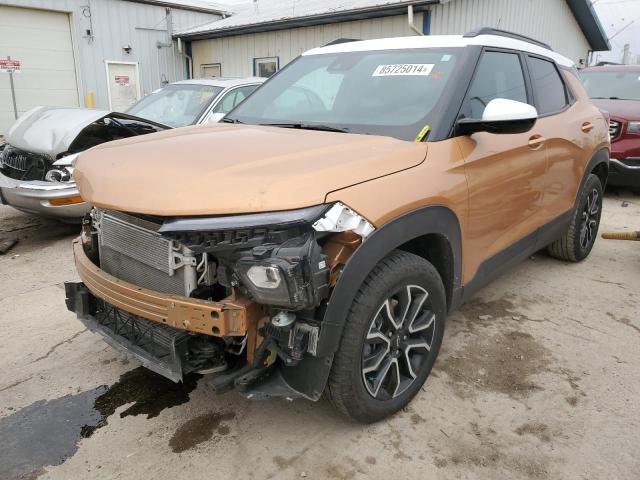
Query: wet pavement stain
{"type": "Point", "coordinates": [200, 429]}
{"type": "Point", "coordinates": [47, 432]}
{"type": "Point", "coordinates": [500, 363]}
{"type": "Point", "coordinates": [149, 392]}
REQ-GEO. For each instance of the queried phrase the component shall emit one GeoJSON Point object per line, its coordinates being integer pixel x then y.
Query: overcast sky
{"type": "Point", "coordinates": [614, 15]}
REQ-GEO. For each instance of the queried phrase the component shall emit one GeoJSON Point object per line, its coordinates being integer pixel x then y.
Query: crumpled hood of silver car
{"type": "Point", "coordinates": [50, 130]}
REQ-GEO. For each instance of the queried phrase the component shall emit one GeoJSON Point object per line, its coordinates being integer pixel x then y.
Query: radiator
{"type": "Point", "coordinates": [132, 250]}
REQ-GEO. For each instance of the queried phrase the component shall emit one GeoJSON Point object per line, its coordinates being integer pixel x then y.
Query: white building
{"type": "Point", "coordinates": [267, 35]}
{"type": "Point", "coordinates": [117, 49]}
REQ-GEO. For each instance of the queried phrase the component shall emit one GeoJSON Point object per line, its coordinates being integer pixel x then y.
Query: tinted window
{"type": "Point", "coordinates": [499, 75]}
{"type": "Point", "coordinates": [547, 85]}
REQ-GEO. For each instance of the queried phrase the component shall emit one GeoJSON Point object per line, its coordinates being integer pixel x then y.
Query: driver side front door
{"type": "Point", "coordinates": [505, 172]}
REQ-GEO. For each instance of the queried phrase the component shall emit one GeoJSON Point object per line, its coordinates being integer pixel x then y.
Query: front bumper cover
{"type": "Point", "coordinates": [35, 197]}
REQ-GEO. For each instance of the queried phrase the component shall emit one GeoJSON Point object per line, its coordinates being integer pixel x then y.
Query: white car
{"type": "Point", "coordinates": [36, 162]}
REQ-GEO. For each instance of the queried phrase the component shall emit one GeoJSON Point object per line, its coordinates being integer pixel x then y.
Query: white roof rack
{"type": "Point", "coordinates": [442, 41]}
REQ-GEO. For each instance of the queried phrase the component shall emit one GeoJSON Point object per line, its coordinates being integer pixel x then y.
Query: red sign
{"type": "Point", "coordinates": [9, 66]}
{"type": "Point", "coordinates": [122, 80]}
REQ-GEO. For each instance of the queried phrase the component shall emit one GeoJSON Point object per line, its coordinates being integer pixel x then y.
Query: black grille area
{"type": "Point", "coordinates": [221, 240]}
{"type": "Point", "coordinates": [614, 129]}
{"type": "Point", "coordinates": [22, 165]}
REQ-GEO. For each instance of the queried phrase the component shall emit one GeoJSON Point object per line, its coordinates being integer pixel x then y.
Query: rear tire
{"type": "Point", "coordinates": [576, 243]}
{"type": "Point", "coordinates": [391, 339]}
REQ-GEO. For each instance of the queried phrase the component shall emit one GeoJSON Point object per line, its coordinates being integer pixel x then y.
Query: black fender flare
{"type": "Point", "coordinates": [600, 157]}
{"type": "Point", "coordinates": [310, 376]}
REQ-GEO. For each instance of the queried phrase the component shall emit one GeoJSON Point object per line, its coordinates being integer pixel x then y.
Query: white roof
{"type": "Point", "coordinates": [441, 41]}
{"type": "Point", "coordinates": [269, 11]}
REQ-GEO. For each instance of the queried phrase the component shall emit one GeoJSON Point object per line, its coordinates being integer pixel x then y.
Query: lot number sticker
{"type": "Point", "coordinates": [403, 69]}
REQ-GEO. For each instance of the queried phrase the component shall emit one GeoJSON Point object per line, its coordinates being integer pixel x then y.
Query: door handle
{"type": "Point", "coordinates": [586, 127]}
{"type": "Point", "coordinates": [536, 142]}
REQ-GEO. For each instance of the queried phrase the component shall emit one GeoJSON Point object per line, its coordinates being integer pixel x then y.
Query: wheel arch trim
{"type": "Point", "coordinates": [434, 219]}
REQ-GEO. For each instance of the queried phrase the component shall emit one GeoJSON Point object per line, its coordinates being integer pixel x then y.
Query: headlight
{"type": "Point", "coordinates": [273, 281]}
{"type": "Point", "coordinates": [62, 169]}
{"type": "Point", "coordinates": [59, 174]}
{"type": "Point", "coordinates": [633, 128]}
{"type": "Point", "coordinates": [263, 276]}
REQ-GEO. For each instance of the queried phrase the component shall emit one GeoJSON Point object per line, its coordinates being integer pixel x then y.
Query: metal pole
{"type": "Point", "coordinates": [13, 92]}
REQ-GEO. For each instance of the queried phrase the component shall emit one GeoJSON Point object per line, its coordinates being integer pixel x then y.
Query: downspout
{"type": "Point", "coordinates": [187, 56]}
{"type": "Point", "coordinates": [410, 21]}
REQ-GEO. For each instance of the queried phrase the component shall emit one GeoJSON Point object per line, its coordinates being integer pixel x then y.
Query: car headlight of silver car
{"type": "Point", "coordinates": [62, 169]}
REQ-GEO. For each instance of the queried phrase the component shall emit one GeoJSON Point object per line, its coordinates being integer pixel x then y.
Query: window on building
{"type": "Point", "coordinates": [233, 98]}
{"type": "Point", "coordinates": [499, 75]}
{"type": "Point", "coordinates": [265, 67]}
{"type": "Point", "coordinates": [211, 70]}
{"type": "Point", "coordinates": [550, 93]}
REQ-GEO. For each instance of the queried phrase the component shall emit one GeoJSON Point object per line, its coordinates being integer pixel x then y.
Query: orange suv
{"type": "Point", "coordinates": [315, 241]}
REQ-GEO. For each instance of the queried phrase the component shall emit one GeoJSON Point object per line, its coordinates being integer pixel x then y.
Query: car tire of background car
{"type": "Point", "coordinates": [397, 322]}
{"type": "Point", "coordinates": [577, 242]}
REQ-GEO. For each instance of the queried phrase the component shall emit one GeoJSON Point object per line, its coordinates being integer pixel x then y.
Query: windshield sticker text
{"type": "Point", "coordinates": [403, 69]}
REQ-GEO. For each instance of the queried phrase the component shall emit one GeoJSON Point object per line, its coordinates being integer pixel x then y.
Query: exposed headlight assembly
{"type": "Point", "coordinates": [62, 169]}
{"type": "Point", "coordinates": [276, 256]}
{"type": "Point", "coordinates": [294, 274]}
{"type": "Point", "coordinates": [633, 128]}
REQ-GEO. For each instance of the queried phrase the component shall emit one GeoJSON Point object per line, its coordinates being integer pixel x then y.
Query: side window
{"type": "Point", "coordinates": [499, 75]}
{"type": "Point", "coordinates": [550, 93]}
{"type": "Point", "coordinates": [233, 98]}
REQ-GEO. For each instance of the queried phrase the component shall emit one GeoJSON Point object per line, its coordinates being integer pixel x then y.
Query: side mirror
{"type": "Point", "coordinates": [215, 117]}
{"type": "Point", "coordinates": [501, 116]}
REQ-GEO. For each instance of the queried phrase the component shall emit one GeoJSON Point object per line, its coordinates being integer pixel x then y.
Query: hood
{"type": "Point", "coordinates": [53, 130]}
{"type": "Point", "coordinates": [621, 109]}
{"type": "Point", "coordinates": [226, 168]}
{"type": "Point", "coordinates": [50, 130]}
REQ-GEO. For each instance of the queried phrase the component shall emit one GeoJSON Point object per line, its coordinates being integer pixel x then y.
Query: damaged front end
{"type": "Point", "coordinates": [240, 297]}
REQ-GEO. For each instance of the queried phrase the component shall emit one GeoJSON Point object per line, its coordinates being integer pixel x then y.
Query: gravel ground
{"type": "Point", "coordinates": [537, 379]}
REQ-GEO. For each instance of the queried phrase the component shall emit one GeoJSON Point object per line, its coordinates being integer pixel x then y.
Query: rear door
{"type": "Point", "coordinates": [505, 172]}
{"type": "Point", "coordinates": [566, 128]}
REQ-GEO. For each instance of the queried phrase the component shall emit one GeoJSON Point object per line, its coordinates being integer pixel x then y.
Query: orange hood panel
{"type": "Point", "coordinates": [225, 168]}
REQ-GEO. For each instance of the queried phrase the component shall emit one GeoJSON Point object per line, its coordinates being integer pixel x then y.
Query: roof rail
{"type": "Point", "coordinates": [505, 33]}
{"type": "Point", "coordinates": [341, 40]}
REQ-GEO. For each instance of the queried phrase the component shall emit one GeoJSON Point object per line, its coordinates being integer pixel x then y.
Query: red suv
{"type": "Point", "coordinates": [616, 89]}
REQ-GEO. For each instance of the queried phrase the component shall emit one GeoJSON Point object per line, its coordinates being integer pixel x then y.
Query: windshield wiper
{"type": "Point", "coordinates": [306, 126]}
{"type": "Point", "coordinates": [230, 120]}
{"type": "Point", "coordinates": [607, 98]}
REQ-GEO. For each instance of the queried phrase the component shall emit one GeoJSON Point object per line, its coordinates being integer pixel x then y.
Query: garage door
{"type": "Point", "coordinates": [41, 40]}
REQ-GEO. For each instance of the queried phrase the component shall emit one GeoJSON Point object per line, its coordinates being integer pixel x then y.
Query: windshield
{"type": "Point", "coordinates": [393, 92]}
{"type": "Point", "coordinates": [176, 105]}
{"type": "Point", "coordinates": [614, 85]}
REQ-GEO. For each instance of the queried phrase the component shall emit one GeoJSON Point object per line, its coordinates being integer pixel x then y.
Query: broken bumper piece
{"type": "Point", "coordinates": [159, 348]}
{"type": "Point", "coordinates": [229, 317]}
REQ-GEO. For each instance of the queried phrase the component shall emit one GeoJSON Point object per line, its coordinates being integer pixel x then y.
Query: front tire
{"type": "Point", "coordinates": [576, 243]}
{"type": "Point", "coordinates": [391, 339]}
